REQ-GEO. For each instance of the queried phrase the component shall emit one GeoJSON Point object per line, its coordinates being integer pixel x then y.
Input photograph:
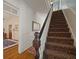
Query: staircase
{"type": "Point", "coordinates": [59, 44]}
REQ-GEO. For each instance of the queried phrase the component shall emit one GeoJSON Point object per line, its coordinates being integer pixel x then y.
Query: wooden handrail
{"type": "Point", "coordinates": [44, 25]}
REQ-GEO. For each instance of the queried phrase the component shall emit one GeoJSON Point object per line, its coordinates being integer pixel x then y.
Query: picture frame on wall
{"type": "Point", "coordinates": [35, 26]}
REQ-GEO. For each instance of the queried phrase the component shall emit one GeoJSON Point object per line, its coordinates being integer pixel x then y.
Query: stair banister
{"type": "Point", "coordinates": [37, 40]}
{"type": "Point", "coordinates": [36, 44]}
{"type": "Point", "coordinates": [43, 33]}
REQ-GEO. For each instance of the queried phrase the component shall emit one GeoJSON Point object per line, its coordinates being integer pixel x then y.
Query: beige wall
{"type": "Point", "coordinates": [71, 20]}
{"type": "Point", "coordinates": [13, 20]}
{"type": "Point", "coordinates": [70, 4]}
{"type": "Point", "coordinates": [70, 14]}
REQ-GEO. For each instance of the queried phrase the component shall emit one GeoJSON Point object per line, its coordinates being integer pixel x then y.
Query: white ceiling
{"type": "Point", "coordinates": [37, 5]}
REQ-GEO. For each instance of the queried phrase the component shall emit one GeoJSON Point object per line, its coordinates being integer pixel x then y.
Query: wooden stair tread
{"type": "Point", "coordinates": [58, 25]}
{"type": "Point", "coordinates": [60, 45]}
{"type": "Point", "coordinates": [61, 32]}
{"type": "Point", "coordinates": [59, 54]}
{"type": "Point", "coordinates": [68, 38]}
{"type": "Point", "coordinates": [59, 28]}
{"type": "Point", "coordinates": [70, 49]}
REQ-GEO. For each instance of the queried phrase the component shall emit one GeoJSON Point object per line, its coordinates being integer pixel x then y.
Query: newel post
{"type": "Point", "coordinates": [36, 44]}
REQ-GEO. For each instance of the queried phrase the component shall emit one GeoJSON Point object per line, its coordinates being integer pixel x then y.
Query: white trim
{"type": "Point", "coordinates": [11, 8]}
{"type": "Point", "coordinates": [72, 34]}
{"type": "Point", "coordinates": [7, 12]}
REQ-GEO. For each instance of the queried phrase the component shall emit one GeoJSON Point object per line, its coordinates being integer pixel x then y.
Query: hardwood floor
{"type": "Point", "coordinates": [12, 53]}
